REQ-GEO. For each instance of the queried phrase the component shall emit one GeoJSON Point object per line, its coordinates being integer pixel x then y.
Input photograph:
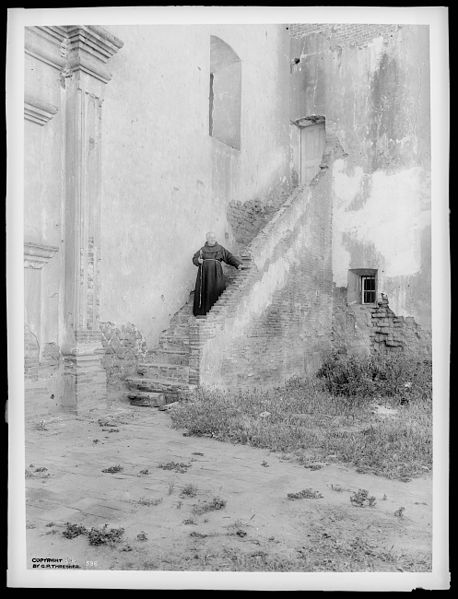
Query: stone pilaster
{"type": "Point", "coordinates": [86, 51]}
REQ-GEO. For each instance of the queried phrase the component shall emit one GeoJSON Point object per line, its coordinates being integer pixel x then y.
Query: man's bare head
{"type": "Point", "coordinates": [211, 238]}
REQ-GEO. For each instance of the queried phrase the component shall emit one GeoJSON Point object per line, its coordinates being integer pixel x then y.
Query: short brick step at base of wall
{"type": "Point", "coordinates": [172, 390]}
{"type": "Point", "coordinates": [143, 398]}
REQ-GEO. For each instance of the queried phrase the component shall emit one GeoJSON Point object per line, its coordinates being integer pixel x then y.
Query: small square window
{"type": "Point", "coordinates": [362, 285]}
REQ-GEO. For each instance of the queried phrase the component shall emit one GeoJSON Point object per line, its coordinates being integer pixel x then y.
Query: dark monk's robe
{"type": "Point", "coordinates": [210, 282]}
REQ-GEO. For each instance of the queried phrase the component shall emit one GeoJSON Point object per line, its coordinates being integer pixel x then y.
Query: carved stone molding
{"type": "Point", "coordinates": [46, 44]}
{"type": "Point", "coordinates": [37, 111]}
{"type": "Point", "coordinates": [71, 48]}
{"type": "Point", "coordinates": [36, 255]}
{"type": "Point", "coordinates": [89, 49]}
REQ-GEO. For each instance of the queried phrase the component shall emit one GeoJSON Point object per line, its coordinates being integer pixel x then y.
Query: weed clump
{"type": "Point", "coordinates": [74, 530]}
{"type": "Point", "coordinates": [305, 494]}
{"type": "Point", "coordinates": [361, 498]}
{"type": "Point", "coordinates": [113, 469]}
{"type": "Point", "coordinates": [176, 466]}
{"type": "Point", "coordinates": [209, 506]}
{"type": "Point", "coordinates": [105, 536]}
{"type": "Point", "coordinates": [149, 502]}
{"type": "Point", "coordinates": [189, 491]}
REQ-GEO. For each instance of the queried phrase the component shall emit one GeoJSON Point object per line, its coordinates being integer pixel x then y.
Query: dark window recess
{"type": "Point", "coordinates": [368, 289]}
{"type": "Point", "coordinates": [211, 99]}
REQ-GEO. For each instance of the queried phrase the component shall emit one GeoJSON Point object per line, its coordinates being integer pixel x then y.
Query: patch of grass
{"type": "Point", "coordinates": [306, 418]}
{"type": "Point", "coordinates": [189, 491]}
{"type": "Point", "coordinates": [105, 536]}
{"type": "Point", "coordinates": [209, 506]}
{"type": "Point", "coordinates": [386, 375]}
{"type": "Point", "coordinates": [324, 554]}
{"type": "Point", "coordinates": [305, 494]}
{"type": "Point", "coordinates": [113, 469]}
{"type": "Point", "coordinates": [399, 513]}
{"type": "Point", "coordinates": [361, 498]}
{"type": "Point", "coordinates": [180, 467]}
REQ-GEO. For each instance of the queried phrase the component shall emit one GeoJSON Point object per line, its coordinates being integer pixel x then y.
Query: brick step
{"type": "Point", "coordinates": [182, 340]}
{"type": "Point", "coordinates": [167, 356]}
{"type": "Point", "coordinates": [147, 399]}
{"type": "Point", "coordinates": [181, 320]}
{"type": "Point", "coordinates": [175, 334]}
{"type": "Point", "coordinates": [173, 346]}
{"type": "Point", "coordinates": [172, 390]}
{"type": "Point", "coordinates": [169, 372]}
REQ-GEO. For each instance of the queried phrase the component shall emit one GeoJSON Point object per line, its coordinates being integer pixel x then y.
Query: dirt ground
{"type": "Point", "coordinates": [253, 525]}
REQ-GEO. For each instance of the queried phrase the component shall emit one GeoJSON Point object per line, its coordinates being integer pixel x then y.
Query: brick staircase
{"type": "Point", "coordinates": [195, 351]}
{"type": "Point", "coordinates": [164, 374]}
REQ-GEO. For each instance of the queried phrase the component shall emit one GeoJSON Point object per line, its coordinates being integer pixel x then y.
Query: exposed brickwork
{"type": "Point", "coordinates": [248, 218]}
{"type": "Point", "coordinates": [371, 329]}
{"type": "Point", "coordinates": [124, 348]}
{"type": "Point", "coordinates": [165, 369]}
{"type": "Point", "coordinates": [344, 34]}
{"type": "Point", "coordinates": [392, 332]}
{"type": "Point", "coordinates": [31, 354]}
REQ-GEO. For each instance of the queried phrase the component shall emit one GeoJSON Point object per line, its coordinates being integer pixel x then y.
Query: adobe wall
{"type": "Point", "coordinates": [371, 82]}
{"type": "Point", "coordinates": [166, 181]}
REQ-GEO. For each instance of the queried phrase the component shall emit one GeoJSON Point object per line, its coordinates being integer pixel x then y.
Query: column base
{"type": "Point", "coordinates": [85, 379]}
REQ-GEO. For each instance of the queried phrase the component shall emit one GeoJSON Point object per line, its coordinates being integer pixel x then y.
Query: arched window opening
{"type": "Point", "coordinates": [225, 93]}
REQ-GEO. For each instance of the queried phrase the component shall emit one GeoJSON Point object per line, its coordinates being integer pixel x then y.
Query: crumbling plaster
{"type": "Point", "coordinates": [375, 97]}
